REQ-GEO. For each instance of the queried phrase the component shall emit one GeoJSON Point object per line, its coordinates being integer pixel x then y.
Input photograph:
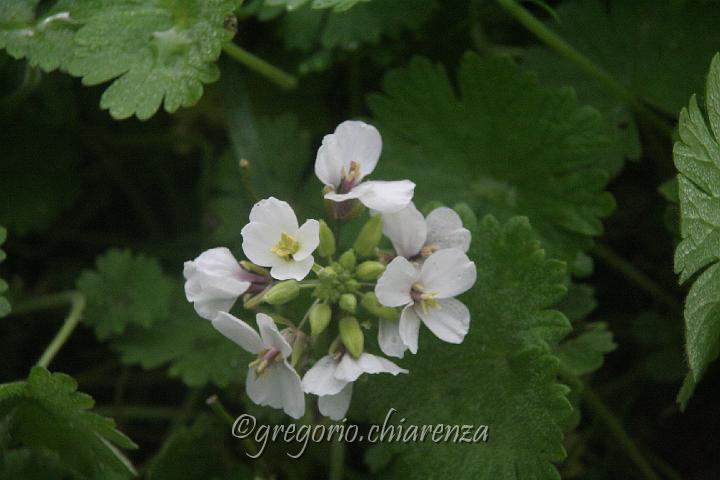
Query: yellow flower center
{"type": "Point", "coordinates": [426, 300]}
{"type": "Point", "coordinates": [286, 246]}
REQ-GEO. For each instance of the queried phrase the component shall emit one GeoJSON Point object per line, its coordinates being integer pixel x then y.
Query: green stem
{"type": "Point", "coordinates": [45, 302]}
{"type": "Point", "coordinates": [643, 281]}
{"type": "Point", "coordinates": [337, 460]}
{"type": "Point", "coordinates": [216, 405]}
{"type": "Point", "coordinates": [260, 66]}
{"type": "Point", "coordinates": [307, 314]}
{"type": "Point", "coordinates": [557, 43]}
{"type": "Point", "coordinates": [71, 321]}
{"type": "Point", "coordinates": [615, 428]}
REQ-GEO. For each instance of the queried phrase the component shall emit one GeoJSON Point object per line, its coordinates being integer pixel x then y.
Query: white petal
{"type": "Point", "coordinates": [321, 379]}
{"type": "Point", "coordinates": [379, 195]}
{"type": "Point", "coordinates": [209, 309]}
{"type": "Point", "coordinates": [293, 397]}
{"type": "Point", "coordinates": [336, 406]}
{"type": "Point", "coordinates": [359, 142]}
{"type": "Point", "coordinates": [450, 322]}
{"type": "Point", "coordinates": [409, 328]}
{"type": "Point", "coordinates": [278, 387]}
{"type": "Point", "coordinates": [214, 281]}
{"type": "Point", "coordinates": [329, 162]}
{"type": "Point", "coordinates": [308, 236]}
{"type": "Point", "coordinates": [393, 287]}
{"type": "Point", "coordinates": [275, 212]}
{"type": "Point", "coordinates": [445, 230]}
{"type": "Point", "coordinates": [448, 273]}
{"type": "Point", "coordinates": [290, 269]}
{"type": "Point", "coordinates": [238, 331]}
{"type": "Point", "coordinates": [258, 240]}
{"type": "Point", "coordinates": [406, 229]}
{"type": "Point", "coordinates": [389, 338]}
{"type": "Point", "coordinates": [351, 368]}
{"type": "Point", "coordinates": [271, 336]}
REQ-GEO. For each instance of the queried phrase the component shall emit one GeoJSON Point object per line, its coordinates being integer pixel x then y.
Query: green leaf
{"type": "Point", "coordinates": [697, 158]}
{"type": "Point", "coordinates": [195, 453]}
{"type": "Point", "coordinates": [585, 352]}
{"type": "Point", "coordinates": [503, 144]}
{"type": "Point", "coordinates": [503, 375]}
{"type": "Point", "coordinates": [307, 29]}
{"type": "Point", "coordinates": [194, 350]}
{"type": "Point", "coordinates": [4, 304]}
{"type": "Point", "coordinates": [618, 121]}
{"type": "Point", "coordinates": [672, 43]}
{"type": "Point", "coordinates": [31, 464]}
{"type": "Point", "coordinates": [124, 289]}
{"type": "Point", "coordinates": [337, 5]}
{"type": "Point", "coordinates": [47, 412]}
{"type": "Point", "coordinates": [156, 51]}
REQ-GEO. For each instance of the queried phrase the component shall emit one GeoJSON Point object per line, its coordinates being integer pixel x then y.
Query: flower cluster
{"type": "Point", "coordinates": [415, 283]}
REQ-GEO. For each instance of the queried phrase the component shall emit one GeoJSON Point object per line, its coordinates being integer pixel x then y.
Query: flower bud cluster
{"type": "Point", "coordinates": [359, 290]}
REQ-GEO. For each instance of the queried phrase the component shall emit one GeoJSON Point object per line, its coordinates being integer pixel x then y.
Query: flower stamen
{"type": "Point", "coordinates": [286, 246]}
{"type": "Point", "coordinates": [427, 300]}
{"type": "Point", "coordinates": [264, 359]}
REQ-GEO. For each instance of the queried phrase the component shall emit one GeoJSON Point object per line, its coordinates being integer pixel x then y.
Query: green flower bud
{"type": "Point", "coordinates": [369, 270]}
{"type": "Point", "coordinates": [327, 241]}
{"type": "Point", "coordinates": [352, 336]}
{"type": "Point", "coordinates": [347, 260]}
{"type": "Point", "coordinates": [348, 302]}
{"type": "Point", "coordinates": [320, 316]}
{"type": "Point", "coordinates": [467, 215]}
{"type": "Point", "coordinates": [282, 292]}
{"type": "Point", "coordinates": [352, 285]}
{"type": "Point", "coordinates": [369, 237]}
{"type": "Point", "coordinates": [251, 267]}
{"type": "Point", "coordinates": [373, 305]}
{"type": "Point", "coordinates": [327, 274]}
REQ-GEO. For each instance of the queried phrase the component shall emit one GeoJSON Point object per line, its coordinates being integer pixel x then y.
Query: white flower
{"type": "Point", "coordinates": [412, 234]}
{"type": "Point", "coordinates": [271, 380]}
{"type": "Point", "coordinates": [273, 239]}
{"type": "Point", "coordinates": [427, 293]}
{"type": "Point", "coordinates": [346, 157]}
{"type": "Point", "coordinates": [215, 280]}
{"type": "Point", "coordinates": [332, 377]}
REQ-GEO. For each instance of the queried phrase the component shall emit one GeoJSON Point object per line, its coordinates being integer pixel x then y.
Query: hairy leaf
{"type": "Point", "coordinates": [193, 349]}
{"type": "Point", "coordinates": [671, 45]}
{"type": "Point", "coordinates": [155, 51]}
{"type": "Point", "coordinates": [124, 289]}
{"type": "Point", "coordinates": [585, 353]}
{"type": "Point", "coordinates": [337, 5]}
{"type": "Point", "coordinates": [503, 375]}
{"type": "Point", "coordinates": [502, 143]}
{"type": "Point", "coordinates": [47, 412]}
{"type": "Point", "coordinates": [697, 158]}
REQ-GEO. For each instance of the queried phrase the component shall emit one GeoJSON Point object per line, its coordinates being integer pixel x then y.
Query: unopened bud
{"type": "Point", "coordinates": [251, 267]}
{"type": "Point", "coordinates": [371, 303]}
{"type": "Point", "coordinates": [320, 315]}
{"type": "Point", "coordinates": [347, 260]}
{"type": "Point", "coordinates": [369, 270]}
{"type": "Point", "coordinates": [369, 237]}
{"type": "Point", "coordinates": [327, 273]}
{"type": "Point", "coordinates": [352, 285]}
{"type": "Point", "coordinates": [467, 215]}
{"type": "Point", "coordinates": [283, 292]}
{"type": "Point", "coordinates": [348, 302]}
{"type": "Point", "coordinates": [352, 336]}
{"type": "Point", "coordinates": [327, 241]}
